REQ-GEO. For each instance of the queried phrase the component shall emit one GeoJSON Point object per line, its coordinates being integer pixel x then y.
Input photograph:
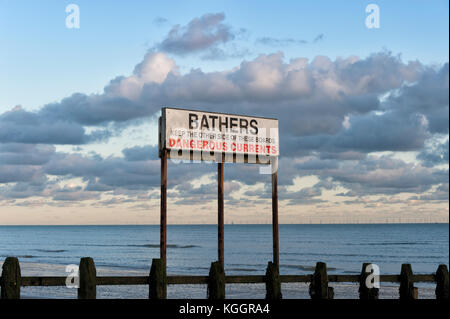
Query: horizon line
{"type": "Point", "coordinates": [248, 224]}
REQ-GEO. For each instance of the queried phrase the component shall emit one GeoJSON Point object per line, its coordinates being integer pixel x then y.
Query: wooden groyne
{"type": "Point", "coordinates": [11, 281]}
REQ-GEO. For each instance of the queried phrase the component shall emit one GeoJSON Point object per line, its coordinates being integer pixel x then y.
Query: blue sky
{"type": "Point", "coordinates": [43, 58]}
{"type": "Point", "coordinates": [363, 113]}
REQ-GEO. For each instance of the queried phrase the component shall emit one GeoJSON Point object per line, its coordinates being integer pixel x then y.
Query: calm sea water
{"type": "Point", "coordinates": [127, 250]}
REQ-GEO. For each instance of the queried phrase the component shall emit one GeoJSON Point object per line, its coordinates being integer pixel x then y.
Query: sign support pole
{"type": "Point", "coordinates": [220, 219]}
{"type": "Point", "coordinates": [163, 221]}
{"type": "Point", "coordinates": [274, 164]}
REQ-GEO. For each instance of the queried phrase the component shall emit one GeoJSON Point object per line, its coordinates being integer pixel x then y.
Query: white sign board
{"type": "Point", "coordinates": [198, 131]}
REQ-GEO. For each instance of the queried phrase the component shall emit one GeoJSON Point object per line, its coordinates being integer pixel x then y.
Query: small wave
{"type": "Point", "coordinates": [168, 246]}
{"type": "Point", "coordinates": [196, 268]}
{"type": "Point", "coordinates": [391, 243]}
{"type": "Point", "coordinates": [26, 256]}
{"type": "Point", "coordinates": [244, 269]}
{"type": "Point", "coordinates": [136, 245]}
{"type": "Point", "coordinates": [51, 250]}
{"type": "Point", "coordinates": [305, 268]}
{"type": "Point", "coordinates": [322, 254]}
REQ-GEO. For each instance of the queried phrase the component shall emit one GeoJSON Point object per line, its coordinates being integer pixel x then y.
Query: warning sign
{"type": "Point", "coordinates": [198, 131]}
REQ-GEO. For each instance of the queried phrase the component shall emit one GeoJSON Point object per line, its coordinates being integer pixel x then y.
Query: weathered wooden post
{"type": "Point", "coordinates": [163, 207]}
{"type": "Point", "coordinates": [364, 291]}
{"type": "Point", "coordinates": [318, 289]}
{"type": "Point", "coordinates": [273, 282]}
{"type": "Point", "coordinates": [220, 216]}
{"type": "Point", "coordinates": [158, 280]}
{"type": "Point", "coordinates": [442, 282]}
{"type": "Point", "coordinates": [216, 281]}
{"type": "Point", "coordinates": [275, 237]}
{"type": "Point", "coordinates": [88, 279]}
{"type": "Point", "coordinates": [407, 289]}
{"type": "Point", "coordinates": [11, 279]}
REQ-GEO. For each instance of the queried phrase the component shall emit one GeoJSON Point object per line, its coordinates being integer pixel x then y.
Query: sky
{"type": "Point", "coordinates": [363, 112]}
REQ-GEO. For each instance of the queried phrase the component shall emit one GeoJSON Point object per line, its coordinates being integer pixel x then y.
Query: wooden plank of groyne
{"type": "Point", "coordinates": [187, 280]}
{"type": "Point", "coordinates": [295, 278]}
{"type": "Point", "coordinates": [43, 281]}
{"type": "Point", "coordinates": [424, 278]}
{"type": "Point", "coordinates": [389, 278]}
{"type": "Point", "coordinates": [122, 280]}
{"type": "Point", "coordinates": [343, 278]}
{"type": "Point", "coordinates": [245, 279]}
{"type": "Point", "coordinates": [48, 281]}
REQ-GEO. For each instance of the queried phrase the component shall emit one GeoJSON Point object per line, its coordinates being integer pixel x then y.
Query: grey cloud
{"type": "Point", "coordinates": [114, 201]}
{"type": "Point", "coordinates": [19, 173]}
{"type": "Point", "coordinates": [25, 154]}
{"type": "Point", "coordinates": [112, 172]}
{"type": "Point", "coordinates": [435, 154]}
{"type": "Point", "coordinates": [141, 153]}
{"type": "Point", "coordinates": [199, 34]}
{"type": "Point", "coordinates": [20, 190]}
{"type": "Point", "coordinates": [429, 96]}
{"type": "Point", "coordinates": [377, 175]}
{"type": "Point", "coordinates": [95, 109]}
{"type": "Point", "coordinates": [440, 194]}
{"type": "Point", "coordinates": [20, 126]}
{"type": "Point", "coordinates": [186, 194]}
{"type": "Point", "coordinates": [73, 194]}
{"type": "Point", "coordinates": [387, 132]}
{"type": "Point", "coordinates": [305, 196]}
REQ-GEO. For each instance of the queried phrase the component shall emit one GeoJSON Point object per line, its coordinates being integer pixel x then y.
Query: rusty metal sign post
{"type": "Point", "coordinates": [218, 137]}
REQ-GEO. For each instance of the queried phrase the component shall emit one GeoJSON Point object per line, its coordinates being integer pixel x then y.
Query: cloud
{"type": "Point", "coordinates": [375, 175]}
{"type": "Point", "coordinates": [372, 133]}
{"type": "Point", "coordinates": [199, 34]}
{"type": "Point", "coordinates": [25, 154]}
{"type": "Point", "coordinates": [434, 154]}
{"type": "Point", "coordinates": [441, 193]}
{"type": "Point", "coordinates": [283, 42]}
{"type": "Point", "coordinates": [275, 42]}
{"type": "Point", "coordinates": [141, 153]}
{"type": "Point", "coordinates": [318, 38]}
{"type": "Point", "coordinates": [20, 126]}
{"type": "Point", "coordinates": [429, 96]}
{"type": "Point", "coordinates": [16, 173]}
{"type": "Point", "coordinates": [72, 194]}
{"type": "Point", "coordinates": [333, 114]}
{"type": "Point", "coordinates": [323, 93]}
{"type": "Point", "coordinates": [217, 54]}
{"type": "Point", "coordinates": [305, 196]}
{"type": "Point", "coordinates": [159, 21]}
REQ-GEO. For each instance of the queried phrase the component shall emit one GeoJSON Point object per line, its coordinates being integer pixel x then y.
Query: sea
{"type": "Point", "coordinates": [128, 250]}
